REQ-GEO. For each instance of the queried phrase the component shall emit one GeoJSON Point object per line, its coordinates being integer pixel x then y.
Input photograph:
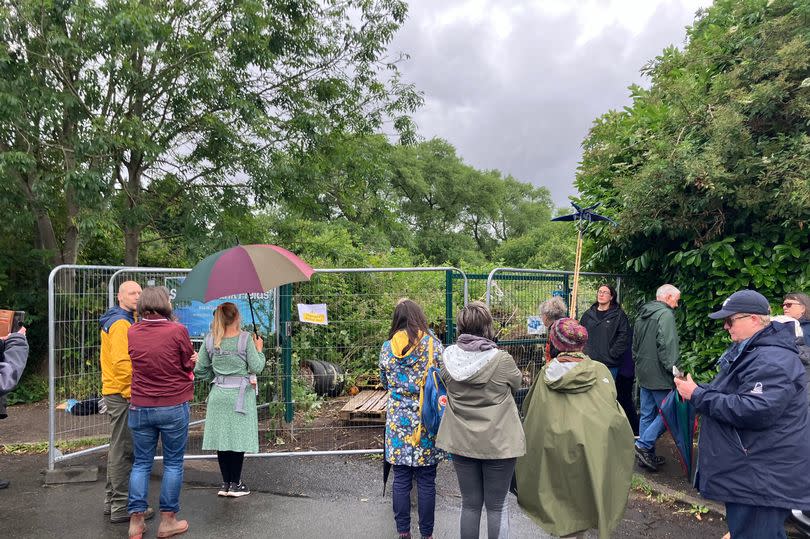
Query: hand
{"type": "Point", "coordinates": [685, 386]}
{"type": "Point", "coordinates": [194, 357]}
{"type": "Point", "coordinates": [259, 342]}
{"type": "Point", "coordinates": [22, 330]}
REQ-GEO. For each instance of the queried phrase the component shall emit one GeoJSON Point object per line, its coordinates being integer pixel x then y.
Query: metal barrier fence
{"type": "Point", "coordinates": [514, 295]}
{"type": "Point", "coordinates": [299, 409]}
{"type": "Point", "coordinates": [342, 357]}
{"type": "Point", "coordinates": [305, 392]}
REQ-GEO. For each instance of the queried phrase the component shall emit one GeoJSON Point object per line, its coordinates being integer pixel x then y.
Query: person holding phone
{"type": "Point", "coordinates": [13, 357]}
{"type": "Point", "coordinates": [755, 426]}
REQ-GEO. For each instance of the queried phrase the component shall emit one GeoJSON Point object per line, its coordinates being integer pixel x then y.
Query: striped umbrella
{"type": "Point", "coordinates": [244, 269]}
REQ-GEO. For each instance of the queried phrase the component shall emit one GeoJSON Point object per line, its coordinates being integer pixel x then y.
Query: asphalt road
{"type": "Point", "coordinates": [302, 497]}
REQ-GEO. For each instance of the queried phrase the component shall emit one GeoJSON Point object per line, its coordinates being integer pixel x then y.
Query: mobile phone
{"type": "Point", "coordinates": [18, 321]}
{"type": "Point", "coordinates": [678, 373]}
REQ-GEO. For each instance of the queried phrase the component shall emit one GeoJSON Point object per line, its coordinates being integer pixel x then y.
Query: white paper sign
{"type": "Point", "coordinates": [534, 325]}
{"type": "Point", "coordinates": [313, 314]}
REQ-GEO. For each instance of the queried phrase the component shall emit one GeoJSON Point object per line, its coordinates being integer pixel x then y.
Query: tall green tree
{"type": "Point", "coordinates": [707, 171]}
{"type": "Point", "coordinates": [98, 101]}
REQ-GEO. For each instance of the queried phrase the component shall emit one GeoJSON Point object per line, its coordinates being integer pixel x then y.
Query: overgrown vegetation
{"type": "Point", "coordinates": [707, 171]}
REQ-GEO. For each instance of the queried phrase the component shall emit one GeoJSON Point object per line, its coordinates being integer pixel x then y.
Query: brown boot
{"type": "Point", "coordinates": [137, 526]}
{"type": "Point", "coordinates": [170, 526]}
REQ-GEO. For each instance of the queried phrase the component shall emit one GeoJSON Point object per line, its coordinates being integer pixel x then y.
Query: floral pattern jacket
{"type": "Point", "coordinates": [402, 372]}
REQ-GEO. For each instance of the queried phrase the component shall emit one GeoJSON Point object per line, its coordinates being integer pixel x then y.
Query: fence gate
{"type": "Point", "coordinates": [323, 365]}
{"type": "Point", "coordinates": [514, 295]}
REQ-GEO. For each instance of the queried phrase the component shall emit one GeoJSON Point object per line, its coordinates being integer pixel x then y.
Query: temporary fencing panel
{"type": "Point", "coordinates": [326, 349]}
{"type": "Point", "coordinates": [77, 297]}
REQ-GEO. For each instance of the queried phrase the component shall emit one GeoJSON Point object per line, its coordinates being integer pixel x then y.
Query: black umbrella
{"type": "Point", "coordinates": [583, 217]}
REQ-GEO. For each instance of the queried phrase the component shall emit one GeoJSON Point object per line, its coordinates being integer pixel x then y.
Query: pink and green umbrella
{"type": "Point", "coordinates": [244, 269]}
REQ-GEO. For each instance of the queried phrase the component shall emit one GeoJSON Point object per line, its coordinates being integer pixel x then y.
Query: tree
{"type": "Point", "coordinates": [706, 172]}
{"type": "Point", "coordinates": [102, 100]}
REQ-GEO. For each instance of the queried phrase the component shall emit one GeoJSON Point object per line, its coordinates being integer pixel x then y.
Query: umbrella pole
{"type": "Point", "coordinates": [572, 311]}
{"type": "Point", "coordinates": [252, 316]}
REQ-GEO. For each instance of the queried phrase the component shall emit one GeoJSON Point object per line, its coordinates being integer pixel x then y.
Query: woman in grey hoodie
{"type": "Point", "coordinates": [481, 427]}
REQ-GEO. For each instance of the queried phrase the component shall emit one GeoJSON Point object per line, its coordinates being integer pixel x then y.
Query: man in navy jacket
{"type": "Point", "coordinates": [754, 437]}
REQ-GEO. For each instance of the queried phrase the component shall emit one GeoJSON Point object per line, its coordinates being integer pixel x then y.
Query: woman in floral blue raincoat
{"type": "Point", "coordinates": [404, 358]}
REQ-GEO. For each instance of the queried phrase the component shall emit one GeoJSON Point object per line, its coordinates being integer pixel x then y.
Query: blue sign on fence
{"type": "Point", "coordinates": [197, 315]}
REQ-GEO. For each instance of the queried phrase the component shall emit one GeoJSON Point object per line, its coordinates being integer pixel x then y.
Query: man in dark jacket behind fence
{"type": "Point", "coordinates": [13, 357]}
{"type": "Point", "coordinates": [754, 445]}
{"type": "Point", "coordinates": [655, 351]}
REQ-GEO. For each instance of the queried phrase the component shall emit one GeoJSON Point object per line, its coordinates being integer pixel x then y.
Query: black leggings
{"type": "Point", "coordinates": [230, 464]}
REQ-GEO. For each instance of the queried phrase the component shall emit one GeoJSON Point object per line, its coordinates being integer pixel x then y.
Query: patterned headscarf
{"type": "Point", "coordinates": [567, 335]}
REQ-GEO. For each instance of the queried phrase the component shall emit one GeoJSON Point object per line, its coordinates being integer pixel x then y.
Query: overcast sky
{"type": "Point", "coordinates": [516, 84]}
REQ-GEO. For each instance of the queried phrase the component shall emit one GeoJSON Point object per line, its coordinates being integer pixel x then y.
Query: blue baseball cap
{"type": "Point", "coordinates": [743, 301]}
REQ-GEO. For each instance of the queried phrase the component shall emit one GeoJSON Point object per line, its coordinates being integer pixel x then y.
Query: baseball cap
{"type": "Point", "coordinates": [743, 301]}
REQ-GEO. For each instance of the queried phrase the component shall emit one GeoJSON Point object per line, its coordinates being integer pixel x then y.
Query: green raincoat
{"type": "Point", "coordinates": [579, 450]}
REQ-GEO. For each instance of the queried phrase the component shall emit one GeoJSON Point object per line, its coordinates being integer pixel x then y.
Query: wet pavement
{"type": "Point", "coordinates": [293, 497]}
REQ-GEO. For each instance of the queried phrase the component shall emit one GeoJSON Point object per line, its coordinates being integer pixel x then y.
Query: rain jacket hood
{"type": "Point", "coordinates": [652, 308]}
{"type": "Point", "coordinates": [472, 367]}
{"type": "Point", "coordinates": [570, 377]}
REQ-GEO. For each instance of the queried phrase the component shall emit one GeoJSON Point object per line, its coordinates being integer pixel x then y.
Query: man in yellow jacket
{"type": "Point", "coordinates": [116, 377]}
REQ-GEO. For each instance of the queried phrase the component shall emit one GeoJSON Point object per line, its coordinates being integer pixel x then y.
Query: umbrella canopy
{"type": "Point", "coordinates": [680, 419]}
{"type": "Point", "coordinates": [244, 269]}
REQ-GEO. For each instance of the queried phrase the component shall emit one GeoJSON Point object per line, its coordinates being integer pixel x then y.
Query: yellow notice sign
{"type": "Point", "coordinates": [313, 313]}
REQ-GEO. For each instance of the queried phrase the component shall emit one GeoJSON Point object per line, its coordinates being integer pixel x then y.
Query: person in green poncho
{"type": "Point", "coordinates": [579, 445]}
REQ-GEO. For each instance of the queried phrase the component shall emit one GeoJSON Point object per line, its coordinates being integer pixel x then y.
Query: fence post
{"type": "Point", "coordinates": [285, 332]}
{"type": "Point", "coordinates": [450, 330]}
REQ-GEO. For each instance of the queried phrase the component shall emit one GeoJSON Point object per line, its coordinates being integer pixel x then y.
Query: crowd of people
{"type": "Point", "coordinates": [565, 445]}
{"type": "Point", "coordinates": [570, 458]}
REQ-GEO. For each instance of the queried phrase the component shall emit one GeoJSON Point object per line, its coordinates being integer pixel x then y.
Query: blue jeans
{"type": "Point", "coordinates": [146, 424]}
{"type": "Point", "coordinates": [753, 522]}
{"type": "Point", "coordinates": [650, 424]}
{"type": "Point", "coordinates": [614, 371]}
{"type": "Point", "coordinates": [426, 497]}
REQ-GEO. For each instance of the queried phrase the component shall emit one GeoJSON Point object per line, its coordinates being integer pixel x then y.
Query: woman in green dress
{"type": "Point", "coordinates": [230, 363]}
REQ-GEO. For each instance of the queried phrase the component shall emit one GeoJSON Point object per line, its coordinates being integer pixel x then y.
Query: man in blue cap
{"type": "Point", "coordinates": [754, 446]}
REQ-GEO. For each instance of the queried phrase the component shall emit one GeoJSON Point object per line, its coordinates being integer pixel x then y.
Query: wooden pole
{"type": "Point", "coordinates": [572, 306]}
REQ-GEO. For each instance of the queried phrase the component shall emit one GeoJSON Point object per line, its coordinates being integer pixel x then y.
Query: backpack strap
{"type": "Point", "coordinates": [241, 346]}
{"type": "Point", "coordinates": [417, 432]}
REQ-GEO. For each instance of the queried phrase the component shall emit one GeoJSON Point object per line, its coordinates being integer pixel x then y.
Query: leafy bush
{"type": "Point", "coordinates": [32, 388]}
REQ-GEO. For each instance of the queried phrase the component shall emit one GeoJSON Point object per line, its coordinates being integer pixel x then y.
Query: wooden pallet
{"type": "Point", "coordinates": [368, 406]}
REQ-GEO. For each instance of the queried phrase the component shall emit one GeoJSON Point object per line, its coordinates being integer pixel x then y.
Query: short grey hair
{"type": "Point", "coordinates": [553, 308]}
{"type": "Point", "coordinates": [666, 290]}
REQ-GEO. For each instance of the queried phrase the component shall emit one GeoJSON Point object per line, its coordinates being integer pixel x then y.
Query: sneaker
{"type": "Point", "coordinates": [237, 490]}
{"type": "Point", "coordinates": [646, 458]}
{"type": "Point", "coordinates": [223, 489]}
{"type": "Point", "coordinates": [4, 483]}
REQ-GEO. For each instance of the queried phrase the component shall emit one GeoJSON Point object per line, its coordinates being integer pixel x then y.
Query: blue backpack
{"type": "Point", "coordinates": [435, 401]}
{"type": "Point", "coordinates": [432, 400]}
{"type": "Point", "coordinates": [434, 396]}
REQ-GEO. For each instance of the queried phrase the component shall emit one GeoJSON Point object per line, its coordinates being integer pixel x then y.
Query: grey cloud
{"type": "Point", "coordinates": [524, 104]}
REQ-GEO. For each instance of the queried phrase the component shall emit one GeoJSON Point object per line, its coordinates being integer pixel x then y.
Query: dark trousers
{"type": "Point", "coordinates": [426, 497]}
{"type": "Point", "coordinates": [119, 455]}
{"type": "Point", "coordinates": [230, 465]}
{"type": "Point", "coordinates": [484, 483]}
{"type": "Point", "coordinates": [755, 522]}
{"type": "Point", "coordinates": [624, 394]}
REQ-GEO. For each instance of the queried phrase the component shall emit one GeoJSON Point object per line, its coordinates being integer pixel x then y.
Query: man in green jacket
{"type": "Point", "coordinates": [655, 352]}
